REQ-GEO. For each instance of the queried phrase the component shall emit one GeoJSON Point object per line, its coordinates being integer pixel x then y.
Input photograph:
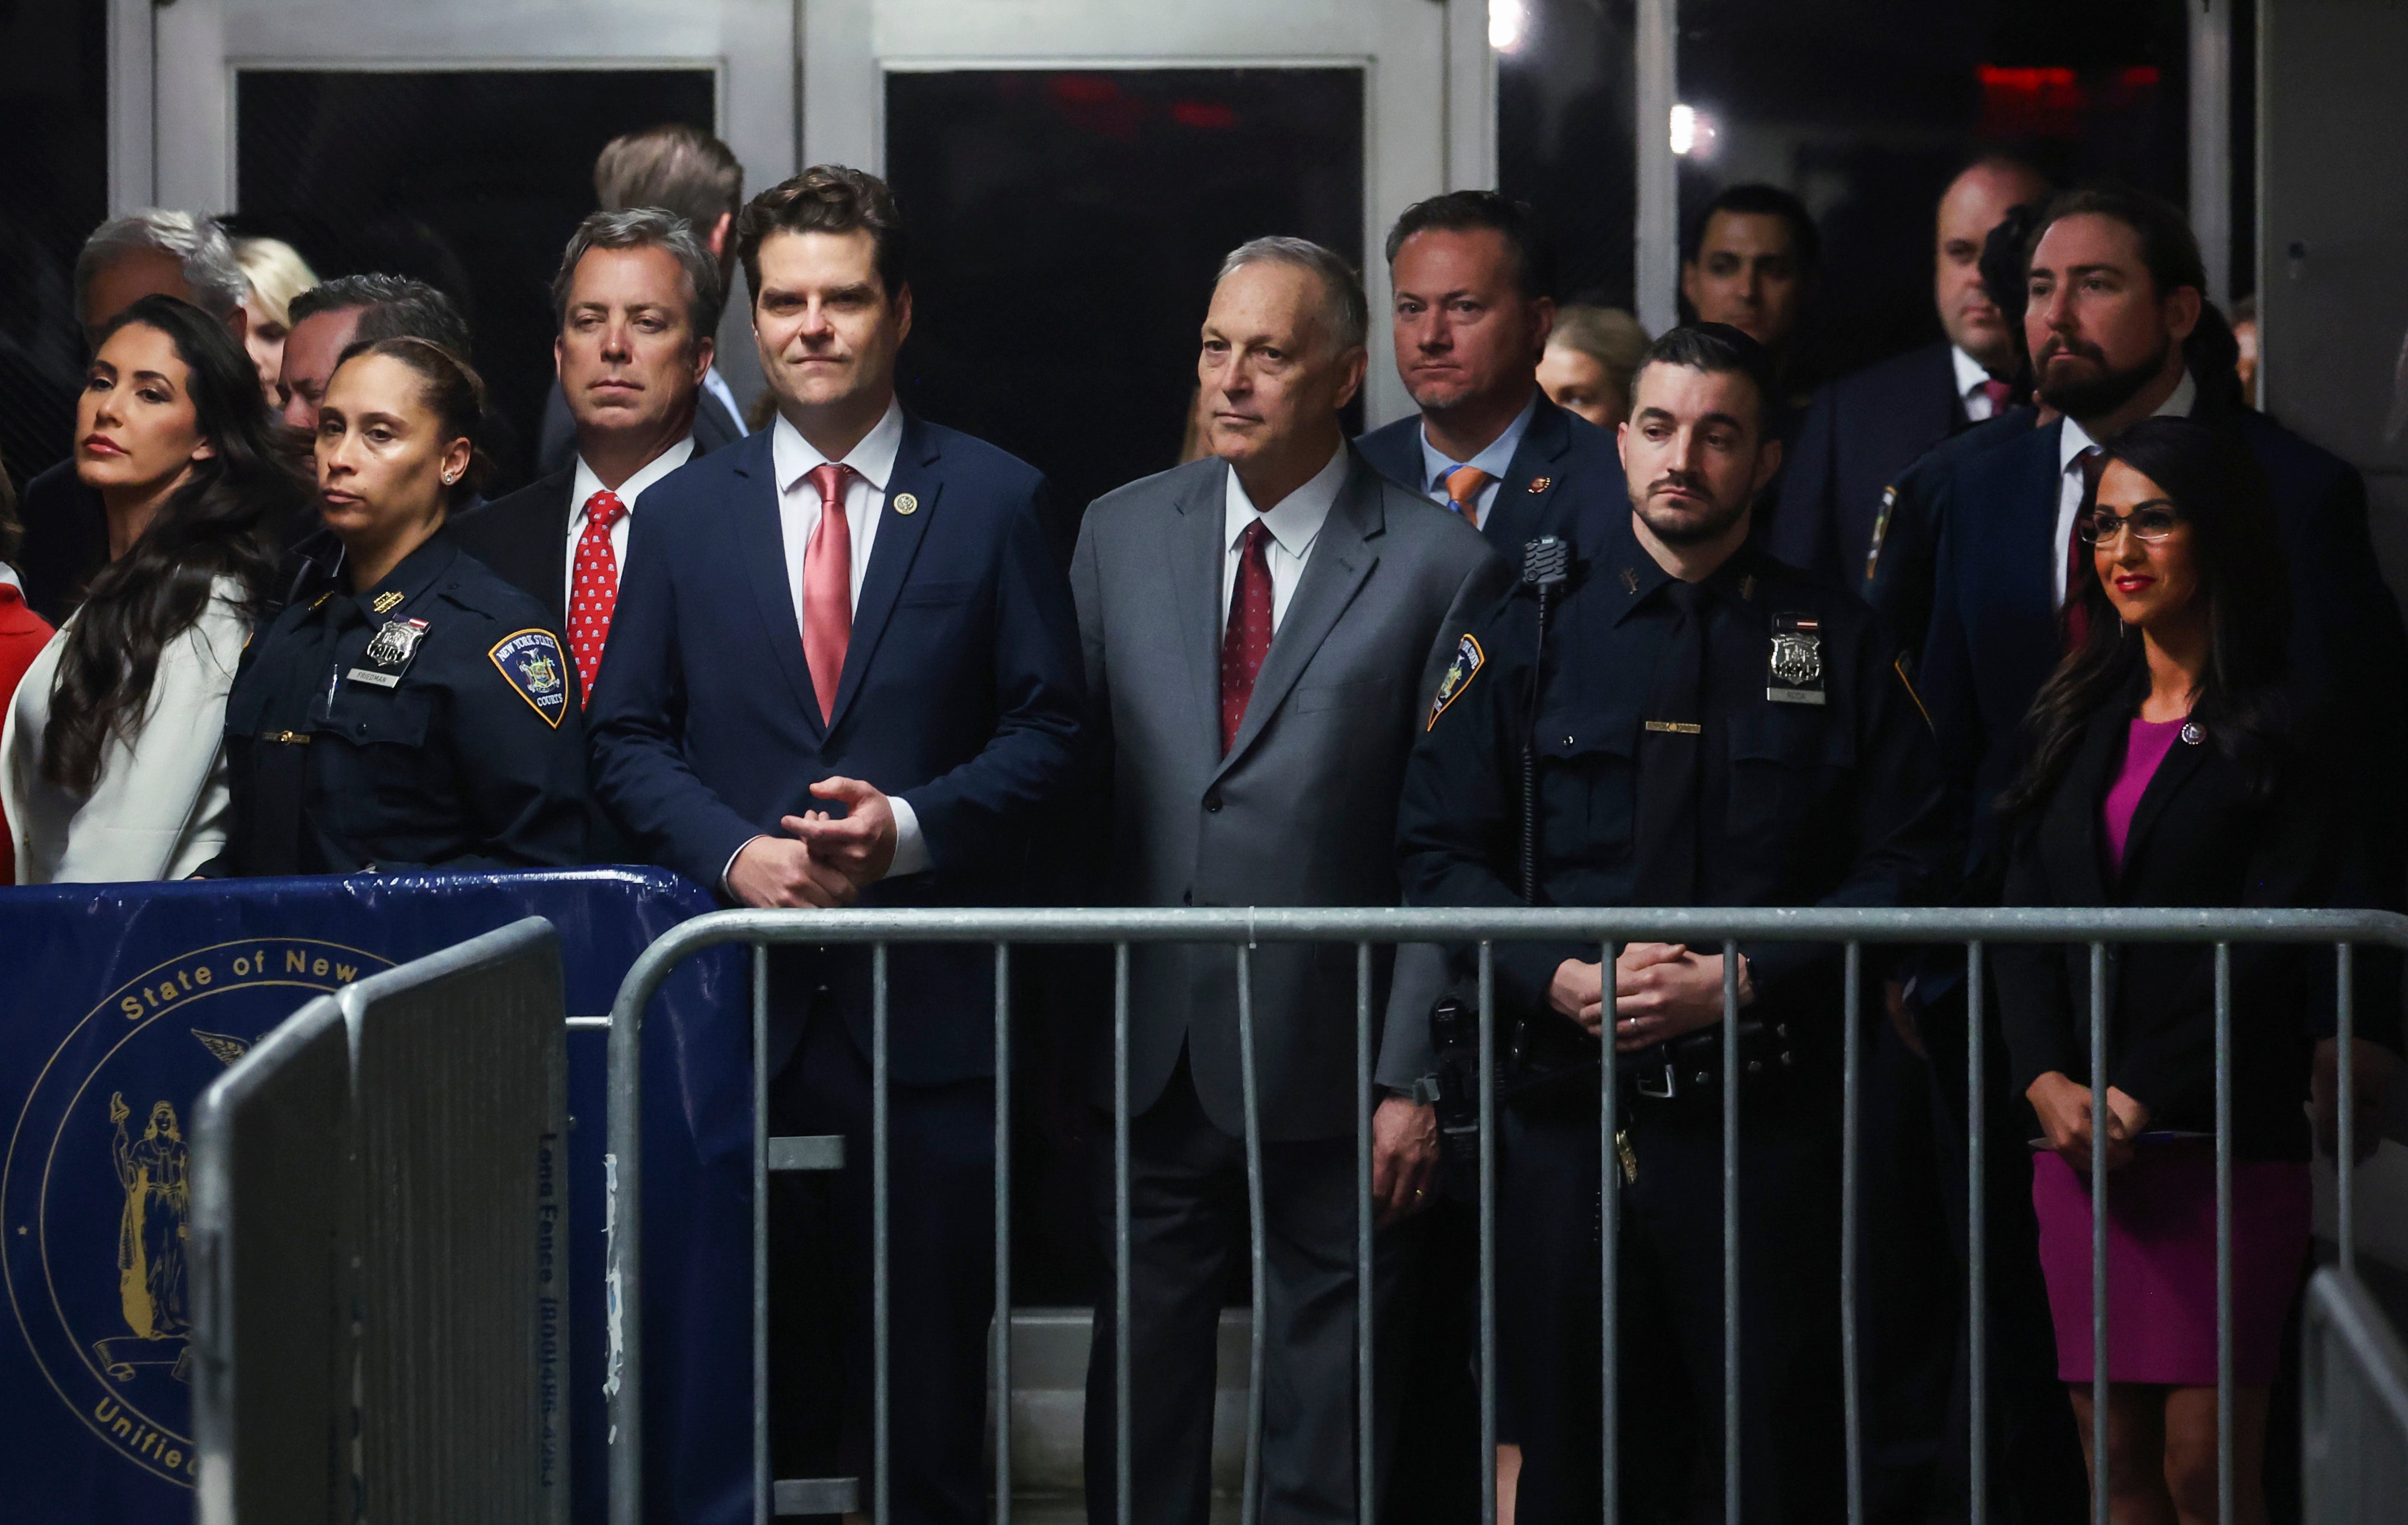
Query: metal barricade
{"type": "Point", "coordinates": [379, 1219]}
{"type": "Point", "coordinates": [2354, 1420]}
{"type": "Point", "coordinates": [1607, 930]}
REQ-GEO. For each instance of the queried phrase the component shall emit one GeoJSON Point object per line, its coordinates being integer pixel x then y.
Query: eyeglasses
{"type": "Point", "coordinates": [2151, 521]}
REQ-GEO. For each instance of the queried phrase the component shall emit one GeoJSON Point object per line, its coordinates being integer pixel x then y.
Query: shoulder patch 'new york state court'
{"type": "Point", "coordinates": [1469, 659]}
{"type": "Point", "coordinates": [530, 662]}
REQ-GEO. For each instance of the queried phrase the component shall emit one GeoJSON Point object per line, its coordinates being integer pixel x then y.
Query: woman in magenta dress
{"type": "Point", "coordinates": [2173, 760]}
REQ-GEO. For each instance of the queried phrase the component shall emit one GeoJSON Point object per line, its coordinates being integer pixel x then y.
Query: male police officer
{"type": "Point", "coordinates": [1711, 728]}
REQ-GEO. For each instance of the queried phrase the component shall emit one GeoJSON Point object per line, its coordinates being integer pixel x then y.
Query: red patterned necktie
{"type": "Point", "coordinates": [827, 588]}
{"type": "Point", "coordinates": [594, 589]}
{"type": "Point", "coordinates": [1248, 639]}
{"type": "Point", "coordinates": [1997, 393]}
{"type": "Point", "coordinates": [1464, 485]}
{"type": "Point", "coordinates": [2078, 558]}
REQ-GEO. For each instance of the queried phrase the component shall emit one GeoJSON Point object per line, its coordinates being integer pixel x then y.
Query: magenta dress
{"type": "Point", "coordinates": [2161, 1219]}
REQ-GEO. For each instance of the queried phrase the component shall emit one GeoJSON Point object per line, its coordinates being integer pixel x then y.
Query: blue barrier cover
{"type": "Point", "coordinates": [120, 1002]}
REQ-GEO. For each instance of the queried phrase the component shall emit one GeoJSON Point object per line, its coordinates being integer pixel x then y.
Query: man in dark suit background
{"type": "Point", "coordinates": [845, 664]}
{"type": "Point", "coordinates": [637, 300]}
{"type": "Point", "coordinates": [685, 171]}
{"type": "Point", "coordinates": [1470, 271]}
{"type": "Point", "coordinates": [1863, 430]}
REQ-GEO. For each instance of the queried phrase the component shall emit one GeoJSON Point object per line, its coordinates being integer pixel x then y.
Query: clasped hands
{"type": "Point", "coordinates": [1660, 990]}
{"type": "Point", "coordinates": [824, 860]}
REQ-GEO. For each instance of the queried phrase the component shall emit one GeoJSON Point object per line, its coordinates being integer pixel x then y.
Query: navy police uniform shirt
{"type": "Point", "coordinates": [1815, 776]}
{"type": "Point", "coordinates": [429, 722]}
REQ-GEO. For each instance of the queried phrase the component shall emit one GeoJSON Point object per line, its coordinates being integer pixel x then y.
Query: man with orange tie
{"type": "Point", "coordinates": [1471, 273]}
{"type": "Point", "coordinates": [844, 665]}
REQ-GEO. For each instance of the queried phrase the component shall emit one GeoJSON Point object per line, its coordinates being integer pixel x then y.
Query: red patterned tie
{"type": "Point", "coordinates": [594, 591]}
{"type": "Point", "coordinates": [1248, 639]}
{"type": "Point", "coordinates": [827, 588]}
{"type": "Point", "coordinates": [1997, 393]}
{"type": "Point", "coordinates": [2078, 560]}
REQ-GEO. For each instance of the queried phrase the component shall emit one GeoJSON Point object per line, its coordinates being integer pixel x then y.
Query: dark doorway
{"type": "Point", "coordinates": [469, 180]}
{"type": "Point", "coordinates": [1066, 229]}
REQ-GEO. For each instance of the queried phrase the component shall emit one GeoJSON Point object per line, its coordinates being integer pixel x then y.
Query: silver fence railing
{"type": "Point", "coordinates": [379, 1216]}
{"type": "Point", "coordinates": [1606, 929]}
{"type": "Point", "coordinates": [2354, 1418]}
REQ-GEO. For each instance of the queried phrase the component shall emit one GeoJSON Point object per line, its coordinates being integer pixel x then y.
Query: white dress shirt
{"type": "Point", "coordinates": [1971, 380]}
{"type": "Point", "coordinates": [1496, 460]}
{"type": "Point", "coordinates": [582, 487]}
{"type": "Point", "coordinates": [716, 384]}
{"type": "Point", "coordinates": [1294, 522]}
{"type": "Point", "coordinates": [2072, 441]}
{"type": "Point", "coordinates": [793, 459]}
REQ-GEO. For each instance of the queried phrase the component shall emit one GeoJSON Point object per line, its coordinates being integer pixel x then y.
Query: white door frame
{"type": "Point", "coordinates": [172, 78]}
{"type": "Point", "coordinates": [1428, 96]}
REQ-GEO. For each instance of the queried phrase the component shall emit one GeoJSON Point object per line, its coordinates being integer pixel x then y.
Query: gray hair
{"type": "Point", "coordinates": [1345, 309]}
{"type": "Point", "coordinates": [647, 227]}
{"type": "Point", "coordinates": [199, 245]}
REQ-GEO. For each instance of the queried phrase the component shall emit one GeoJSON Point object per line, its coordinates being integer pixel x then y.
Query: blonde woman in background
{"type": "Point", "coordinates": [274, 273]}
{"type": "Point", "coordinates": [1592, 354]}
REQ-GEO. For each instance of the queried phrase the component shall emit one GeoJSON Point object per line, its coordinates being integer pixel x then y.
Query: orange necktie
{"type": "Point", "coordinates": [1463, 489]}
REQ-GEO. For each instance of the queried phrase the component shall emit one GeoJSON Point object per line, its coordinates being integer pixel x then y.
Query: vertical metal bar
{"type": "Point", "coordinates": [1364, 1435]}
{"type": "Point", "coordinates": [1487, 1234]}
{"type": "Point", "coordinates": [2223, 1233]}
{"type": "Point", "coordinates": [1250, 1505]}
{"type": "Point", "coordinates": [1002, 1234]}
{"type": "Point", "coordinates": [1730, 1233]}
{"type": "Point", "coordinates": [2211, 141]}
{"type": "Point", "coordinates": [1977, 1244]}
{"type": "Point", "coordinates": [1121, 1425]}
{"type": "Point", "coordinates": [762, 1497]}
{"type": "Point", "coordinates": [624, 1279]}
{"type": "Point", "coordinates": [1850, 1147]}
{"type": "Point", "coordinates": [2099, 1393]}
{"type": "Point", "coordinates": [1609, 1233]}
{"type": "Point", "coordinates": [881, 1331]}
{"type": "Point", "coordinates": [2345, 1148]}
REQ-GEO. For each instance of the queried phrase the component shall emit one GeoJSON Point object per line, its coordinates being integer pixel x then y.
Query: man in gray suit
{"type": "Point", "coordinates": [1263, 632]}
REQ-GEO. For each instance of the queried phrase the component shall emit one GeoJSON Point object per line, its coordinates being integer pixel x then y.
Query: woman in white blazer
{"type": "Point", "coordinates": [111, 758]}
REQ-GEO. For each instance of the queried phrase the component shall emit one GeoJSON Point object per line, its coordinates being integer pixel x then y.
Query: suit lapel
{"type": "Point", "coordinates": [2075, 821]}
{"type": "Point", "coordinates": [1195, 566]}
{"type": "Point", "coordinates": [761, 540]}
{"type": "Point", "coordinates": [2028, 518]}
{"type": "Point", "coordinates": [1520, 502]}
{"type": "Point", "coordinates": [891, 554]}
{"type": "Point", "coordinates": [2182, 759]}
{"type": "Point", "coordinates": [1341, 557]}
{"type": "Point", "coordinates": [553, 555]}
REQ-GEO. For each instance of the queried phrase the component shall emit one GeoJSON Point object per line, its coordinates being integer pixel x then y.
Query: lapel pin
{"type": "Point", "coordinates": [906, 503]}
{"type": "Point", "coordinates": [1540, 484]}
{"type": "Point", "coordinates": [385, 602]}
{"type": "Point", "coordinates": [1629, 581]}
{"type": "Point", "coordinates": [2191, 733]}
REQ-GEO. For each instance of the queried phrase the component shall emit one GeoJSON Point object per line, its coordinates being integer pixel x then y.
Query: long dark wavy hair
{"type": "Point", "coordinates": [2245, 577]}
{"type": "Point", "coordinates": [222, 523]}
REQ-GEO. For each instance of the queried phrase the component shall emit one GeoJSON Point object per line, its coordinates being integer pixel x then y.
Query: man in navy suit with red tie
{"type": "Point", "coordinates": [844, 664]}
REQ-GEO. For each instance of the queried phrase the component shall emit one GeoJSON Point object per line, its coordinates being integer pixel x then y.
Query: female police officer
{"type": "Point", "coordinates": [417, 714]}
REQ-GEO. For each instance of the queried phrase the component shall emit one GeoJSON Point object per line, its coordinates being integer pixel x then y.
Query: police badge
{"type": "Point", "coordinates": [1469, 659]}
{"type": "Point", "coordinates": [1796, 676]}
{"type": "Point", "coordinates": [389, 654]}
{"type": "Point", "coordinates": [529, 661]}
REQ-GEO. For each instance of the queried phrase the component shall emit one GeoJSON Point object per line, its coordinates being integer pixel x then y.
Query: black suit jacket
{"type": "Point", "coordinates": [1858, 434]}
{"type": "Point", "coordinates": [2200, 838]}
{"type": "Point", "coordinates": [1993, 637]}
{"type": "Point", "coordinates": [524, 535]}
{"type": "Point", "coordinates": [556, 449]}
{"type": "Point", "coordinates": [1563, 462]}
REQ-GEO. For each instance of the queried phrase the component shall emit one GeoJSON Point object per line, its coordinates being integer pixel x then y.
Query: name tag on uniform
{"type": "Point", "coordinates": [1795, 675]}
{"type": "Point", "coordinates": [389, 654]}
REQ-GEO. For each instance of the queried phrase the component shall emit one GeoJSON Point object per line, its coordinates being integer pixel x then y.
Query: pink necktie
{"type": "Point", "coordinates": [827, 588]}
{"type": "Point", "coordinates": [594, 590]}
{"type": "Point", "coordinates": [1999, 395]}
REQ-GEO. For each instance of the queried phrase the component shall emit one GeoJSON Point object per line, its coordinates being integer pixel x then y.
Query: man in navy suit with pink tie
{"type": "Point", "coordinates": [845, 665]}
